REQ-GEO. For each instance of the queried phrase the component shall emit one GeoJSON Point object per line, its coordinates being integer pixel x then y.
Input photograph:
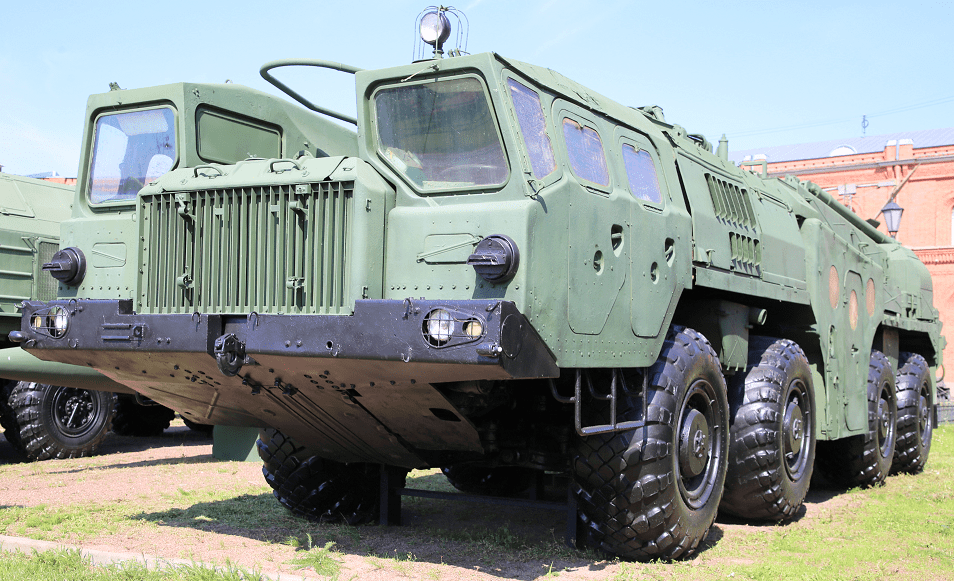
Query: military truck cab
{"type": "Point", "coordinates": [135, 136]}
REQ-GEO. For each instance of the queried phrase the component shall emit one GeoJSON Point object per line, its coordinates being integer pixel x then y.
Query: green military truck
{"type": "Point", "coordinates": [40, 420]}
{"type": "Point", "coordinates": [511, 274]}
{"type": "Point", "coordinates": [59, 420]}
{"type": "Point", "coordinates": [52, 410]}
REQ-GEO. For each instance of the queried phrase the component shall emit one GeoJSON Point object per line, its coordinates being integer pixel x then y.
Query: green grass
{"type": "Point", "coordinates": [58, 565]}
{"type": "Point", "coordinates": [322, 560]}
{"type": "Point", "coordinates": [903, 530]}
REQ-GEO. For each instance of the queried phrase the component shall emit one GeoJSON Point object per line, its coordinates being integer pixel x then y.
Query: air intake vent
{"type": "Point", "coordinates": [265, 249]}
{"type": "Point", "coordinates": [730, 202]}
{"type": "Point", "coordinates": [46, 285]}
{"type": "Point", "coordinates": [734, 209]}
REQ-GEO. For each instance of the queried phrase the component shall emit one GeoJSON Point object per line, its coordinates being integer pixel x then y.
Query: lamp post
{"type": "Point", "coordinates": [892, 217]}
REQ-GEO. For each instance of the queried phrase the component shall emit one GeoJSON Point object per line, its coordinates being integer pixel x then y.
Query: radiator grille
{"type": "Point", "coordinates": [46, 285]}
{"type": "Point", "coordinates": [264, 249]}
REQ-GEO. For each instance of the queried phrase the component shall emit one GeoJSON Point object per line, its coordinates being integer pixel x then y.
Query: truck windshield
{"type": "Point", "coordinates": [440, 134]}
{"type": "Point", "coordinates": [130, 150]}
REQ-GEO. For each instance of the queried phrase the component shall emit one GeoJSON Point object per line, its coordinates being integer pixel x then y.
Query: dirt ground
{"type": "Point", "coordinates": [174, 482]}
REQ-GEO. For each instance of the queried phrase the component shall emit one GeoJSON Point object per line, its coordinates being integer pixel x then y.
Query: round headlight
{"type": "Point", "coordinates": [440, 326]}
{"type": "Point", "coordinates": [55, 322]}
{"type": "Point", "coordinates": [435, 28]}
{"type": "Point", "coordinates": [495, 258]}
{"type": "Point", "coordinates": [473, 328]}
{"type": "Point", "coordinates": [68, 266]}
{"type": "Point", "coordinates": [60, 321]}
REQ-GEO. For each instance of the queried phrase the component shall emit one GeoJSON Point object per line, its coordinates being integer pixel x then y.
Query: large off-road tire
{"type": "Point", "coordinates": [653, 492]}
{"type": "Point", "coordinates": [134, 419]}
{"type": "Point", "coordinates": [498, 481]}
{"type": "Point", "coordinates": [61, 422]}
{"type": "Point", "coordinates": [865, 460]}
{"type": "Point", "coordinates": [8, 418]}
{"type": "Point", "coordinates": [318, 489]}
{"type": "Point", "coordinates": [772, 441]}
{"type": "Point", "coordinates": [915, 426]}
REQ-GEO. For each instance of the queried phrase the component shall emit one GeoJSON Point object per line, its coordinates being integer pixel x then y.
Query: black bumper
{"type": "Point", "coordinates": [355, 387]}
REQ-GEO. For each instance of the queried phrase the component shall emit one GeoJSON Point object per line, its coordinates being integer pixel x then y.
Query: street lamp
{"type": "Point", "coordinates": [892, 217]}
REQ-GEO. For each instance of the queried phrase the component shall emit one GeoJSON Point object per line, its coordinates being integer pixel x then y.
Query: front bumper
{"type": "Point", "coordinates": [354, 388]}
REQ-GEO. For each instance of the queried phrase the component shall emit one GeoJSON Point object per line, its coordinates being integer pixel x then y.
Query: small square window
{"type": "Point", "coordinates": [585, 150]}
{"type": "Point", "coordinates": [641, 173]}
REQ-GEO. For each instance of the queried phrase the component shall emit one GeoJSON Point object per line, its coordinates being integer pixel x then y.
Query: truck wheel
{"type": "Point", "coordinates": [914, 415]}
{"type": "Point", "coordinates": [654, 492]}
{"type": "Point", "coordinates": [61, 422]}
{"type": "Point", "coordinates": [772, 441]}
{"type": "Point", "coordinates": [865, 460]}
{"type": "Point", "coordinates": [315, 488]}
{"type": "Point", "coordinates": [498, 481]}
{"type": "Point", "coordinates": [135, 419]}
{"type": "Point", "coordinates": [278, 452]}
{"type": "Point", "coordinates": [8, 419]}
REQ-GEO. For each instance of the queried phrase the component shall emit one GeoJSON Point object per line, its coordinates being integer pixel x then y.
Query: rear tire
{"type": "Point", "coordinates": [915, 426]}
{"type": "Point", "coordinates": [772, 446]}
{"type": "Point", "coordinates": [865, 460]}
{"type": "Point", "coordinates": [317, 489]}
{"type": "Point", "coordinates": [498, 481]}
{"type": "Point", "coordinates": [61, 422]}
{"type": "Point", "coordinates": [135, 419]}
{"type": "Point", "coordinates": [654, 492]}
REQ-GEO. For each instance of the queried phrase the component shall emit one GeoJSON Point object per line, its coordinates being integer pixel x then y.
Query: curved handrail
{"type": "Point", "coordinates": [271, 165]}
{"type": "Point", "coordinates": [264, 71]}
{"type": "Point", "coordinates": [195, 171]}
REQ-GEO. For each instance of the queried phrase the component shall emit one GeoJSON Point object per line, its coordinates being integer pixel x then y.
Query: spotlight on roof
{"type": "Point", "coordinates": [434, 26]}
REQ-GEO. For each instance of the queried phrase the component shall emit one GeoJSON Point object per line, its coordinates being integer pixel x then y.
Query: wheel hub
{"type": "Point", "coordinates": [793, 427]}
{"type": "Point", "coordinates": [694, 444]}
{"type": "Point", "coordinates": [923, 416]}
{"type": "Point", "coordinates": [73, 410]}
{"type": "Point", "coordinates": [883, 420]}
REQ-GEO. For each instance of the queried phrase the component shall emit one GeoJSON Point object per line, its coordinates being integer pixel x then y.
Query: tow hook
{"type": "Point", "coordinates": [229, 354]}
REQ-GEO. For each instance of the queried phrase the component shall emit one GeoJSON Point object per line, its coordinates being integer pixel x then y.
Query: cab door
{"type": "Point", "coordinates": [652, 240]}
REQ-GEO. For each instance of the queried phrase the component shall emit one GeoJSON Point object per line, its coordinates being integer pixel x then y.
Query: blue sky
{"type": "Point", "coordinates": [764, 73]}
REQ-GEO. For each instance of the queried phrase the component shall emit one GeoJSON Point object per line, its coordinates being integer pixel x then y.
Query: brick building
{"type": "Point", "coordinates": [52, 176]}
{"type": "Point", "coordinates": [864, 172]}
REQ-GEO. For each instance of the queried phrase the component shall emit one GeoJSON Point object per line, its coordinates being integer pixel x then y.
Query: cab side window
{"type": "Point", "coordinates": [585, 151]}
{"type": "Point", "coordinates": [641, 173]}
{"type": "Point", "coordinates": [533, 126]}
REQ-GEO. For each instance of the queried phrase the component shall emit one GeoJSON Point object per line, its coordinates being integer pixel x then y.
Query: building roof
{"type": "Point", "coordinates": [44, 175]}
{"type": "Point", "coordinates": [849, 146]}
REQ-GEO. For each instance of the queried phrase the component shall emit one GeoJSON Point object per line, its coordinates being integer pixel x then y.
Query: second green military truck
{"type": "Point", "coordinates": [511, 274]}
{"type": "Point", "coordinates": [54, 417]}
{"type": "Point", "coordinates": [40, 420]}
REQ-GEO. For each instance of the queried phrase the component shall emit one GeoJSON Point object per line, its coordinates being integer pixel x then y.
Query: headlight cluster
{"type": "Point", "coordinates": [53, 321]}
{"type": "Point", "coordinates": [443, 327]}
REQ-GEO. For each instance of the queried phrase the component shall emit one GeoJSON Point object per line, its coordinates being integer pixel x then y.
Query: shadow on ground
{"type": "Point", "coordinates": [513, 543]}
{"type": "Point", "coordinates": [503, 541]}
{"type": "Point", "coordinates": [189, 440]}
